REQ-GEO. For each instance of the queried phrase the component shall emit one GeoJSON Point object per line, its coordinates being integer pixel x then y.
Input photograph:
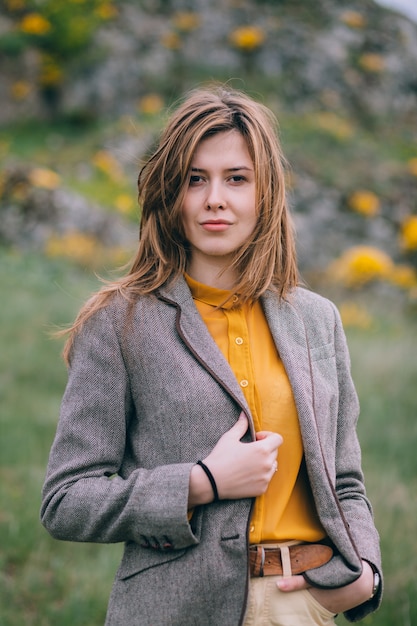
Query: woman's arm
{"type": "Point", "coordinates": [337, 600]}
{"type": "Point", "coordinates": [84, 497]}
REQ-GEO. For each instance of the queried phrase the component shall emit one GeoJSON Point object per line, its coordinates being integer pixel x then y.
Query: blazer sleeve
{"type": "Point", "coordinates": [84, 497]}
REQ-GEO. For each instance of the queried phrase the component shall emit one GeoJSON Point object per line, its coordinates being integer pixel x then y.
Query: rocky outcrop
{"type": "Point", "coordinates": [354, 56]}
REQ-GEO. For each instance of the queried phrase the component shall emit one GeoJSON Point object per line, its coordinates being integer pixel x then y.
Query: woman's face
{"type": "Point", "coordinates": [219, 208]}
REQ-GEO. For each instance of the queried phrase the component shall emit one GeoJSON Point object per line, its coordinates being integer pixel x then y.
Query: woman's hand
{"type": "Point", "coordinates": [335, 600]}
{"type": "Point", "coordinates": [241, 470]}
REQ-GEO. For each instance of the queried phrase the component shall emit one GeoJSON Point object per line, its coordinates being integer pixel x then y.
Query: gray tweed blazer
{"type": "Point", "coordinates": [148, 394]}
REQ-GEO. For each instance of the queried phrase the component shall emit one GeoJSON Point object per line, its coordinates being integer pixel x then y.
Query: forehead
{"type": "Point", "coordinates": [223, 147]}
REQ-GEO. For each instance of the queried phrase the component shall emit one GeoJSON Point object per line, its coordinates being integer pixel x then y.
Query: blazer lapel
{"type": "Point", "coordinates": [289, 334]}
{"type": "Point", "coordinates": [199, 341]}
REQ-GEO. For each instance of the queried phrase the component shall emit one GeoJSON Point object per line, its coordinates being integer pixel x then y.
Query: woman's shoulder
{"type": "Point", "coordinates": [312, 305]}
{"type": "Point", "coordinates": [303, 297]}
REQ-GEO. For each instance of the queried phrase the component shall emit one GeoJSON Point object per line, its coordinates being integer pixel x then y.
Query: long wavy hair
{"type": "Point", "coordinates": [268, 258]}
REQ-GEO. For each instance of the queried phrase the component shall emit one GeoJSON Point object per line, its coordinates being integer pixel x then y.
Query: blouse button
{"type": "Point", "coordinates": [244, 383]}
{"type": "Point", "coordinates": [235, 298]}
{"type": "Point", "coordinates": [239, 341]}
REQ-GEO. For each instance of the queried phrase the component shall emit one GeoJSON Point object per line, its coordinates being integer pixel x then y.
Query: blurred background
{"type": "Point", "coordinates": [85, 88]}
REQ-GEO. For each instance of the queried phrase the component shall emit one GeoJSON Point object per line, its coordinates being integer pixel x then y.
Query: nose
{"type": "Point", "coordinates": [215, 199]}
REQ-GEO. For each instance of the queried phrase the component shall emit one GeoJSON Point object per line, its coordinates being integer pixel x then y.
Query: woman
{"type": "Point", "coordinates": [209, 417]}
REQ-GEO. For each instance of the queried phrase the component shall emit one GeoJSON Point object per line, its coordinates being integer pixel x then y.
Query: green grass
{"type": "Point", "coordinates": [42, 581]}
{"type": "Point", "coordinates": [45, 582]}
{"type": "Point", "coordinates": [384, 366]}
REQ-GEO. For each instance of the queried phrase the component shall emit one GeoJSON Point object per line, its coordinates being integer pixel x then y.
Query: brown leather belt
{"type": "Point", "coordinates": [287, 560]}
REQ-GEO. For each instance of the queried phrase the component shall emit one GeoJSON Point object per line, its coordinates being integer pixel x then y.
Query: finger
{"type": "Point", "coordinates": [239, 429]}
{"type": "Point", "coordinates": [292, 583]}
{"type": "Point", "coordinates": [275, 439]}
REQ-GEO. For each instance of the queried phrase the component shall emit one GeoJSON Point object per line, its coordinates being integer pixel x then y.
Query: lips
{"type": "Point", "coordinates": [216, 222]}
{"type": "Point", "coordinates": [216, 225]}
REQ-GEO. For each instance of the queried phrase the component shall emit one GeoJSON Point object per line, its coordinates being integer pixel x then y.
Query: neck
{"type": "Point", "coordinates": [212, 274]}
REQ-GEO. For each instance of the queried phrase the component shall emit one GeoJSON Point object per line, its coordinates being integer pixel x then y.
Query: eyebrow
{"type": "Point", "coordinates": [239, 168]}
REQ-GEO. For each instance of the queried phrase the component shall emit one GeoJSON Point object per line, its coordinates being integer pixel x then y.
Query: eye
{"type": "Point", "coordinates": [195, 179]}
{"type": "Point", "coordinates": [238, 178]}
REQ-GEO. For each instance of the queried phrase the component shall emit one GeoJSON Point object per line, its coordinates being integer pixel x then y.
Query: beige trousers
{"type": "Point", "coordinates": [268, 606]}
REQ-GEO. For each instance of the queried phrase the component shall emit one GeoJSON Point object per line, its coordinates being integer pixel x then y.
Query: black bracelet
{"type": "Point", "coordinates": [211, 479]}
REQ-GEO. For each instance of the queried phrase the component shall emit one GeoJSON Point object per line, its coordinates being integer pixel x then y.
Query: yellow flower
{"type": "Point", "coordinates": [85, 249]}
{"type": "Point", "coordinates": [172, 41]}
{"type": "Point", "coordinates": [151, 104]}
{"type": "Point", "coordinates": [332, 123]}
{"type": "Point", "coordinates": [74, 245]}
{"type": "Point", "coordinates": [412, 166]}
{"type": "Point", "coordinates": [106, 11]}
{"type": "Point", "coordinates": [354, 19]}
{"type": "Point", "coordinates": [186, 21]}
{"type": "Point", "coordinates": [371, 62]}
{"type": "Point", "coordinates": [51, 73]}
{"type": "Point", "coordinates": [47, 179]}
{"type": "Point", "coordinates": [360, 265]}
{"type": "Point", "coordinates": [20, 90]}
{"type": "Point", "coordinates": [15, 5]}
{"type": "Point", "coordinates": [247, 38]}
{"type": "Point", "coordinates": [35, 24]}
{"type": "Point", "coordinates": [354, 315]}
{"type": "Point", "coordinates": [364, 202]}
{"type": "Point", "coordinates": [124, 203]}
{"type": "Point", "coordinates": [404, 276]}
{"type": "Point", "coordinates": [105, 162]}
{"type": "Point", "coordinates": [409, 233]}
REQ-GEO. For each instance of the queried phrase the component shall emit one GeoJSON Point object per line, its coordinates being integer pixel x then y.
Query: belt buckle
{"type": "Point", "coordinates": [261, 567]}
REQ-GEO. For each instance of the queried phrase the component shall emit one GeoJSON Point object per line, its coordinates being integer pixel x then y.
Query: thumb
{"type": "Point", "coordinates": [241, 426]}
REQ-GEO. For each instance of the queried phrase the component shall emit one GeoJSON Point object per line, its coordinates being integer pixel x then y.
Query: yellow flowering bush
{"type": "Point", "coordinates": [247, 38]}
{"type": "Point", "coordinates": [360, 265]}
{"type": "Point", "coordinates": [44, 178]}
{"type": "Point", "coordinates": [76, 246]}
{"type": "Point", "coordinates": [408, 233]}
{"type": "Point", "coordinates": [333, 124]}
{"type": "Point", "coordinates": [412, 166]}
{"type": "Point", "coordinates": [124, 203]}
{"type": "Point", "coordinates": [51, 73]}
{"type": "Point", "coordinates": [371, 62]}
{"type": "Point", "coordinates": [20, 90]}
{"type": "Point", "coordinates": [84, 249]}
{"type": "Point", "coordinates": [403, 276]}
{"type": "Point", "coordinates": [106, 163]}
{"type": "Point", "coordinates": [172, 41]}
{"type": "Point", "coordinates": [106, 11]}
{"type": "Point", "coordinates": [186, 21]}
{"type": "Point", "coordinates": [59, 29]}
{"type": "Point", "coordinates": [35, 24]}
{"type": "Point", "coordinates": [354, 19]}
{"type": "Point", "coordinates": [15, 5]}
{"type": "Point", "coordinates": [151, 104]}
{"type": "Point", "coordinates": [364, 202]}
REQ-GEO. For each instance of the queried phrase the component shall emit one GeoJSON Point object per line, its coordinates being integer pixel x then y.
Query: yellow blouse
{"type": "Point", "coordinates": [286, 511]}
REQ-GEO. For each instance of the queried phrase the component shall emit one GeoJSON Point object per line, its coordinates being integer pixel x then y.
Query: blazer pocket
{"type": "Point", "coordinates": [326, 351]}
{"type": "Point", "coordinates": [137, 559]}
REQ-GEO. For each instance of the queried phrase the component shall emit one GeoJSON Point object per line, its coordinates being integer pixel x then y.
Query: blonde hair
{"type": "Point", "coordinates": [268, 258]}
